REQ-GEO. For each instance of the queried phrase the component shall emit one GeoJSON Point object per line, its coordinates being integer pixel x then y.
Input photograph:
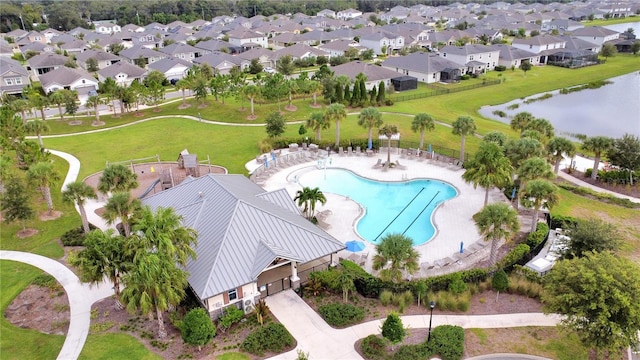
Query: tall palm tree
{"type": "Point", "coordinates": [463, 126]}
{"type": "Point", "coordinates": [318, 121]}
{"type": "Point", "coordinates": [422, 122]}
{"type": "Point", "coordinates": [183, 85]}
{"type": "Point", "coordinates": [308, 198]}
{"type": "Point", "coordinates": [496, 221]}
{"type": "Point", "coordinates": [121, 206]}
{"type": "Point", "coordinates": [394, 254]}
{"type": "Point", "coordinates": [598, 145]}
{"type": "Point", "coordinates": [43, 174]}
{"type": "Point", "coordinates": [200, 88]}
{"type": "Point", "coordinates": [370, 118]}
{"type": "Point", "coordinates": [38, 127]}
{"type": "Point", "coordinates": [520, 121]}
{"type": "Point", "coordinates": [78, 192]}
{"type": "Point", "coordinates": [58, 97]}
{"type": "Point", "coordinates": [105, 254]}
{"type": "Point", "coordinates": [558, 147]}
{"type": "Point", "coordinates": [544, 127]}
{"type": "Point", "coordinates": [38, 101]}
{"type": "Point", "coordinates": [522, 149]}
{"type": "Point", "coordinates": [108, 88]}
{"type": "Point", "coordinates": [336, 113]}
{"type": "Point", "coordinates": [315, 88]}
{"type": "Point", "coordinates": [388, 131]}
{"type": "Point", "coordinates": [488, 168]}
{"type": "Point", "coordinates": [539, 193]}
{"type": "Point", "coordinates": [534, 168]}
{"type": "Point", "coordinates": [21, 106]}
{"type": "Point", "coordinates": [252, 92]}
{"type": "Point", "coordinates": [117, 177]}
{"type": "Point", "coordinates": [345, 280]}
{"type": "Point", "coordinates": [94, 102]}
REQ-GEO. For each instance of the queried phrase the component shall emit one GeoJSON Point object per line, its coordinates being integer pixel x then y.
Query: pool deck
{"type": "Point", "coordinates": [453, 218]}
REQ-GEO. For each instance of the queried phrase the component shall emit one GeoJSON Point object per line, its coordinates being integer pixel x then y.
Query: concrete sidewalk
{"type": "Point", "coordinates": [316, 337]}
{"type": "Point", "coordinates": [81, 297]}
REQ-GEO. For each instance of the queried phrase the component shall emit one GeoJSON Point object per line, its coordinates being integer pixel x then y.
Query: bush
{"type": "Point", "coordinates": [515, 255]}
{"type": "Point", "coordinates": [412, 352]}
{"type": "Point", "coordinates": [392, 328]}
{"type": "Point", "coordinates": [500, 68]}
{"type": "Point", "coordinates": [537, 237]}
{"type": "Point", "coordinates": [386, 297]}
{"type": "Point", "coordinates": [465, 77]}
{"type": "Point", "coordinates": [562, 222]}
{"type": "Point", "coordinates": [500, 281]}
{"type": "Point", "coordinates": [374, 347]}
{"type": "Point", "coordinates": [197, 328]}
{"type": "Point", "coordinates": [231, 316]}
{"type": "Point", "coordinates": [457, 286]}
{"type": "Point", "coordinates": [341, 315]}
{"type": "Point", "coordinates": [75, 237]}
{"type": "Point", "coordinates": [447, 341]}
{"type": "Point", "coordinates": [273, 337]}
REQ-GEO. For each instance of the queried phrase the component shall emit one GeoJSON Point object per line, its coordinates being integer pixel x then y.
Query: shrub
{"type": "Point", "coordinates": [515, 255]}
{"type": "Point", "coordinates": [264, 146]}
{"type": "Point", "coordinates": [500, 68]}
{"type": "Point", "coordinates": [392, 328]}
{"type": "Point", "coordinates": [46, 280]}
{"type": "Point", "coordinates": [499, 113]}
{"type": "Point", "coordinates": [75, 237]}
{"type": "Point", "coordinates": [500, 281]}
{"type": "Point", "coordinates": [412, 352]}
{"type": "Point", "coordinates": [537, 237]}
{"type": "Point", "coordinates": [273, 337]}
{"type": "Point", "coordinates": [457, 286]}
{"type": "Point", "coordinates": [231, 316]}
{"type": "Point", "coordinates": [562, 222]}
{"type": "Point", "coordinates": [341, 315]}
{"type": "Point", "coordinates": [465, 77]}
{"type": "Point", "coordinates": [197, 328]}
{"type": "Point", "coordinates": [374, 347]}
{"type": "Point", "coordinates": [386, 297]}
{"type": "Point", "coordinates": [447, 341]}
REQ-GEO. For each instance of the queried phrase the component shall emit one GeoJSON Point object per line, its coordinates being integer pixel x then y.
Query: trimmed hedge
{"type": "Point", "coordinates": [273, 337]}
{"type": "Point", "coordinates": [341, 315]}
{"type": "Point", "coordinates": [75, 237]}
{"type": "Point", "coordinates": [537, 237]}
{"type": "Point", "coordinates": [374, 347]}
{"type": "Point", "coordinates": [231, 316]}
{"type": "Point", "coordinates": [515, 255]}
{"type": "Point", "coordinates": [562, 222]}
{"type": "Point", "coordinates": [448, 342]}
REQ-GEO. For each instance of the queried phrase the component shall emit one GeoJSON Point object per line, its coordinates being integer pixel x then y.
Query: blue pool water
{"type": "Point", "coordinates": [390, 207]}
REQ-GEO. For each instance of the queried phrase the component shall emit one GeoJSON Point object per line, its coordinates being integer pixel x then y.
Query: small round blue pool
{"type": "Point", "coordinates": [390, 207]}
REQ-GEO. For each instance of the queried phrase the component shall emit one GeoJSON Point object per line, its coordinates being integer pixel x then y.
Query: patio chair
{"type": "Point", "coordinates": [358, 151]}
{"type": "Point", "coordinates": [378, 164]}
{"type": "Point", "coordinates": [400, 166]}
{"type": "Point", "coordinates": [340, 151]}
{"type": "Point", "coordinates": [349, 150]}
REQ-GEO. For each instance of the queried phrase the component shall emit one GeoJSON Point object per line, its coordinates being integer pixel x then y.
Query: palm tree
{"type": "Point", "coordinates": [522, 149]}
{"type": "Point", "coordinates": [183, 85]}
{"type": "Point", "coordinates": [58, 97]}
{"type": "Point", "coordinates": [534, 168]}
{"type": "Point", "coordinates": [463, 126]}
{"type": "Point", "coordinates": [78, 192]}
{"type": "Point", "coordinates": [117, 178]}
{"type": "Point", "coordinates": [422, 122]}
{"type": "Point", "coordinates": [395, 253]}
{"type": "Point", "coordinates": [200, 88]}
{"type": "Point", "coordinates": [336, 113]}
{"type": "Point", "coordinates": [38, 127]}
{"type": "Point", "coordinates": [43, 174]}
{"type": "Point", "coordinates": [121, 206]}
{"type": "Point", "coordinates": [520, 121]}
{"type": "Point", "coordinates": [539, 193]}
{"type": "Point", "coordinates": [21, 106]}
{"type": "Point", "coordinates": [345, 280]}
{"type": "Point", "coordinates": [307, 198]}
{"type": "Point", "coordinates": [38, 101]}
{"type": "Point", "coordinates": [251, 92]}
{"type": "Point", "coordinates": [488, 168]}
{"type": "Point", "coordinates": [318, 121]}
{"type": "Point", "coordinates": [95, 101]}
{"type": "Point", "coordinates": [496, 221]}
{"type": "Point", "coordinates": [108, 87]}
{"type": "Point", "coordinates": [558, 147]}
{"type": "Point", "coordinates": [388, 131]}
{"type": "Point", "coordinates": [105, 254]}
{"type": "Point", "coordinates": [544, 127]}
{"type": "Point", "coordinates": [370, 118]}
{"type": "Point", "coordinates": [315, 87]}
{"type": "Point", "coordinates": [597, 144]}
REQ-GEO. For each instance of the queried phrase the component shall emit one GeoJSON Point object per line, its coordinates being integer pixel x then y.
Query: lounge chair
{"type": "Point", "coordinates": [349, 150]}
{"type": "Point", "coordinates": [400, 166]}
{"type": "Point", "coordinates": [340, 151]}
{"type": "Point", "coordinates": [378, 164]}
{"type": "Point", "coordinates": [358, 151]}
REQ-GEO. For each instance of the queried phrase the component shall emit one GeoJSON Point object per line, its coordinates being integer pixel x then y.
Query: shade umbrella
{"type": "Point", "coordinates": [369, 144]}
{"type": "Point", "coordinates": [354, 245]}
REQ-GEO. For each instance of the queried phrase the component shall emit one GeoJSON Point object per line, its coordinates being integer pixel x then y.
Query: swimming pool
{"type": "Point", "coordinates": [390, 207]}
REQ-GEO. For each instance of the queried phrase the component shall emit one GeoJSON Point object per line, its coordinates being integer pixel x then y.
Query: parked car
{"type": "Point", "coordinates": [269, 70]}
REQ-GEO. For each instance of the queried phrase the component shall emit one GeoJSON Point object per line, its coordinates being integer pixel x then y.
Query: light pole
{"type": "Point", "coordinates": [432, 304]}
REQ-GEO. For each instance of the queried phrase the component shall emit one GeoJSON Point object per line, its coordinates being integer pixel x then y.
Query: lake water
{"type": "Point", "coordinates": [611, 110]}
{"type": "Point", "coordinates": [623, 27]}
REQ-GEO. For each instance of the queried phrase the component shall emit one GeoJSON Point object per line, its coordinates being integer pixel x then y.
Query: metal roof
{"type": "Point", "coordinates": [241, 230]}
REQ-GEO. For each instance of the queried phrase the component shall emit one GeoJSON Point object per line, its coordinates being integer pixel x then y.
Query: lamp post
{"type": "Point", "coordinates": [432, 304]}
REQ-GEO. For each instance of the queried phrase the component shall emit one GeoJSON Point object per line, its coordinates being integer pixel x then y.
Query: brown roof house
{"type": "Point", "coordinates": [13, 76]}
{"type": "Point", "coordinates": [70, 79]}
{"type": "Point", "coordinates": [122, 72]}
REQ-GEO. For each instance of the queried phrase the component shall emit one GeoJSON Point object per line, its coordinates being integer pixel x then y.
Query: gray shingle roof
{"type": "Point", "coordinates": [421, 62]}
{"type": "Point", "coordinates": [10, 66]}
{"type": "Point", "coordinates": [47, 60]}
{"type": "Point", "coordinates": [241, 230]}
{"type": "Point", "coordinates": [166, 64]}
{"type": "Point", "coordinates": [64, 76]}
{"type": "Point", "coordinates": [372, 72]}
{"type": "Point", "coordinates": [131, 70]}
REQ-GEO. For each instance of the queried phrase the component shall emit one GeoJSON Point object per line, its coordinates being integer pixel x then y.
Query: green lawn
{"type": "Point", "coordinates": [115, 346]}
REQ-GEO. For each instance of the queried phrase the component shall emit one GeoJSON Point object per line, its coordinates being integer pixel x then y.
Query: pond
{"type": "Point", "coordinates": [611, 110]}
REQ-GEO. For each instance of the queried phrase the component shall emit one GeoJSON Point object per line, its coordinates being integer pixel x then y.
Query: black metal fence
{"type": "Point", "coordinates": [439, 91]}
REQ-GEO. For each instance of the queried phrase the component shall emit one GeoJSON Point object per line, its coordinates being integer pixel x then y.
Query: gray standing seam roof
{"type": "Point", "coordinates": [241, 230]}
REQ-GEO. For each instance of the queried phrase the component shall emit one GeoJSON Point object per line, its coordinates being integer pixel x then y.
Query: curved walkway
{"type": "Point", "coordinates": [321, 341]}
{"type": "Point", "coordinates": [81, 297]}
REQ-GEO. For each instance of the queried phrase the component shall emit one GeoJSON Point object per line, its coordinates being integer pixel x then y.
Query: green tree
{"type": "Point", "coordinates": [105, 255]}
{"type": "Point", "coordinates": [592, 235]}
{"type": "Point", "coordinates": [388, 131]}
{"type": "Point", "coordinates": [496, 222]}
{"type": "Point", "coordinates": [57, 97]}
{"type": "Point", "coordinates": [285, 65]}
{"type": "Point", "coordinates": [544, 127]}
{"type": "Point", "coordinates": [336, 113]}
{"type": "Point", "coordinates": [635, 47]}
{"type": "Point", "coordinates": [121, 206]}
{"type": "Point", "coordinates": [252, 92]}
{"type": "Point", "coordinates": [16, 202]}
{"type": "Point", "coordinates": [43, 175]}
{"type": "Point", "coordinates": [626, 154]}
{"type": "Point", "coordinates": [597, 145]}
{"type": "Point", "coordinates": [275, 125]}
{"type": "Point", "coordinates": [392, 328]}
{"type": "Point", "coordinates": [38, 101]}
{"type": "Point", "coordinates": [608, 50]}
{"type": "Point", "coordinates": [108, 88]}
{"type": "Point", "coordinates": [381, 93]}
{"type": "Point", "coordinates": [536, 194]}
{"type": "Point", "coordinates": [522, 149]}
{"type": "Point", "coordinates": [394, 254]}
{"type": "Point", "coordinates": [315, 88]}
{"type": "Point", "coordinates": [94, 102]}
{"type": "Point", "coordinates": [92, 65]}
{"type": "Point", "coordinates": [255, 67]}
{"type": "Point", "coordinates": [500, 282]}
{"type": "Point", "coordinates": [117, 178]}
{"type": "Point", "coordinates": [70, 104]}
{"type": "Point", "coordinates": [78, 192]}
{"type": "Point", "coordinates": [422, 122]}
{"type": "Point", "coordinates": [317, 121]}
{"type": "Point", "coordinates": [496, 137]}
{"type": "Point", "coordinates": [558, 147]}
{"type": "Point", "coordinates": [525, 66]}
{"type": "Point", "coordinates": [183, 85]}
{"type": "Point", "coordinates": [307, 198]}
{"type": "Point", "coordinates": [21, 106]}
{"type": "Point", "coordinates": [200, 88]}
{"type": "Point", "coordinates": [463, 126]}
{"type": "Point", "coordinates": [488, 168]}
{"type": "Point", "coordinates": [534, 168]}
{"type": "Point", "coordinates": [597, 296]}
{"type": "Point", "coordinates": [370, 118]}
{"type": "Point", "coordinates": [38, 127]}
{"type": "Point", "coordinates": [197, 328]}
{"type": "Point", "coordinates": [344, 280]}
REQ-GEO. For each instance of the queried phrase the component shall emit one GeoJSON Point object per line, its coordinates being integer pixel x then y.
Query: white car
{"type": "Point", "coordinates": [269, 70]}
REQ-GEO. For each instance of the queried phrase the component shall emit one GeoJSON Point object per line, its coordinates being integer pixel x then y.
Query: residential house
{"type": "Point", "coordinates": [348, 14]}
{"type": "Point", "coordinates": [155, 27]}
{"type": "Point", "coordinates": [106, 27]}
{"type": "Point", "coordinates": [70, 79]}
{"type": "Point", "coordinates": [122, 72]}
{"type": "Point", "coordinates": [6, 49]}
{"type": "Point", "coordinates": [146, 39]}
{"type": "Point", "coordinates": [562, 25]}
{"type": "Point", "coordinates": [326, 13]}
{"type": "Point", "coordinates": [374, 73]}
{"type": "Point", "coordinates": [212, 45]}
{"type": "Point", "coordinates": [285, 39]}
{"type": "Point", "coordinates": [139, 55]}
{"type": "Point", "coordinates": [103, 58]}
{"type": "Point", "coordinates": [265, 56]}
{"type": "Point", "coordinates": [50, 34]}
{"type": "Point", "coordinates": [133, 28]}
{"type": "Point", "coordinates": [73, 47]}
{"type": "Point", "coordinates": [13, 77]}
{"type": "Point", "coordinates": [172, 68]}
{"type": "Point", "coordinates": [382, 42]}
{"type": "Point", "coordinates": [247, 38]}
{"type": "Point", "coordinates": [596, 34]}
{"type": "Point", "coordinates": [512, 57]}
{"type": "Point", "coordinates": [182, 51]}
{"type": "Point", "coordinates": [299, 52]}
{"type": "Point", "coordinates": [541, 45]}
{"type": "Point", "coordinates": [37, 48]}
{"type": "Point", "coordinates": [31, 36]}
{"type": "Point", "coordinates": [426, 67]}
{"type": "Point", "coordinates": [45, 62]}
{"type": "Point", "coordinates": [477, 58]}
{"type": "Point", "coordinates": [222, 63]}
{"type": "Point", "coordinates": [251, 243]}
{"type": "Point", "coordinates": [339, 47]}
